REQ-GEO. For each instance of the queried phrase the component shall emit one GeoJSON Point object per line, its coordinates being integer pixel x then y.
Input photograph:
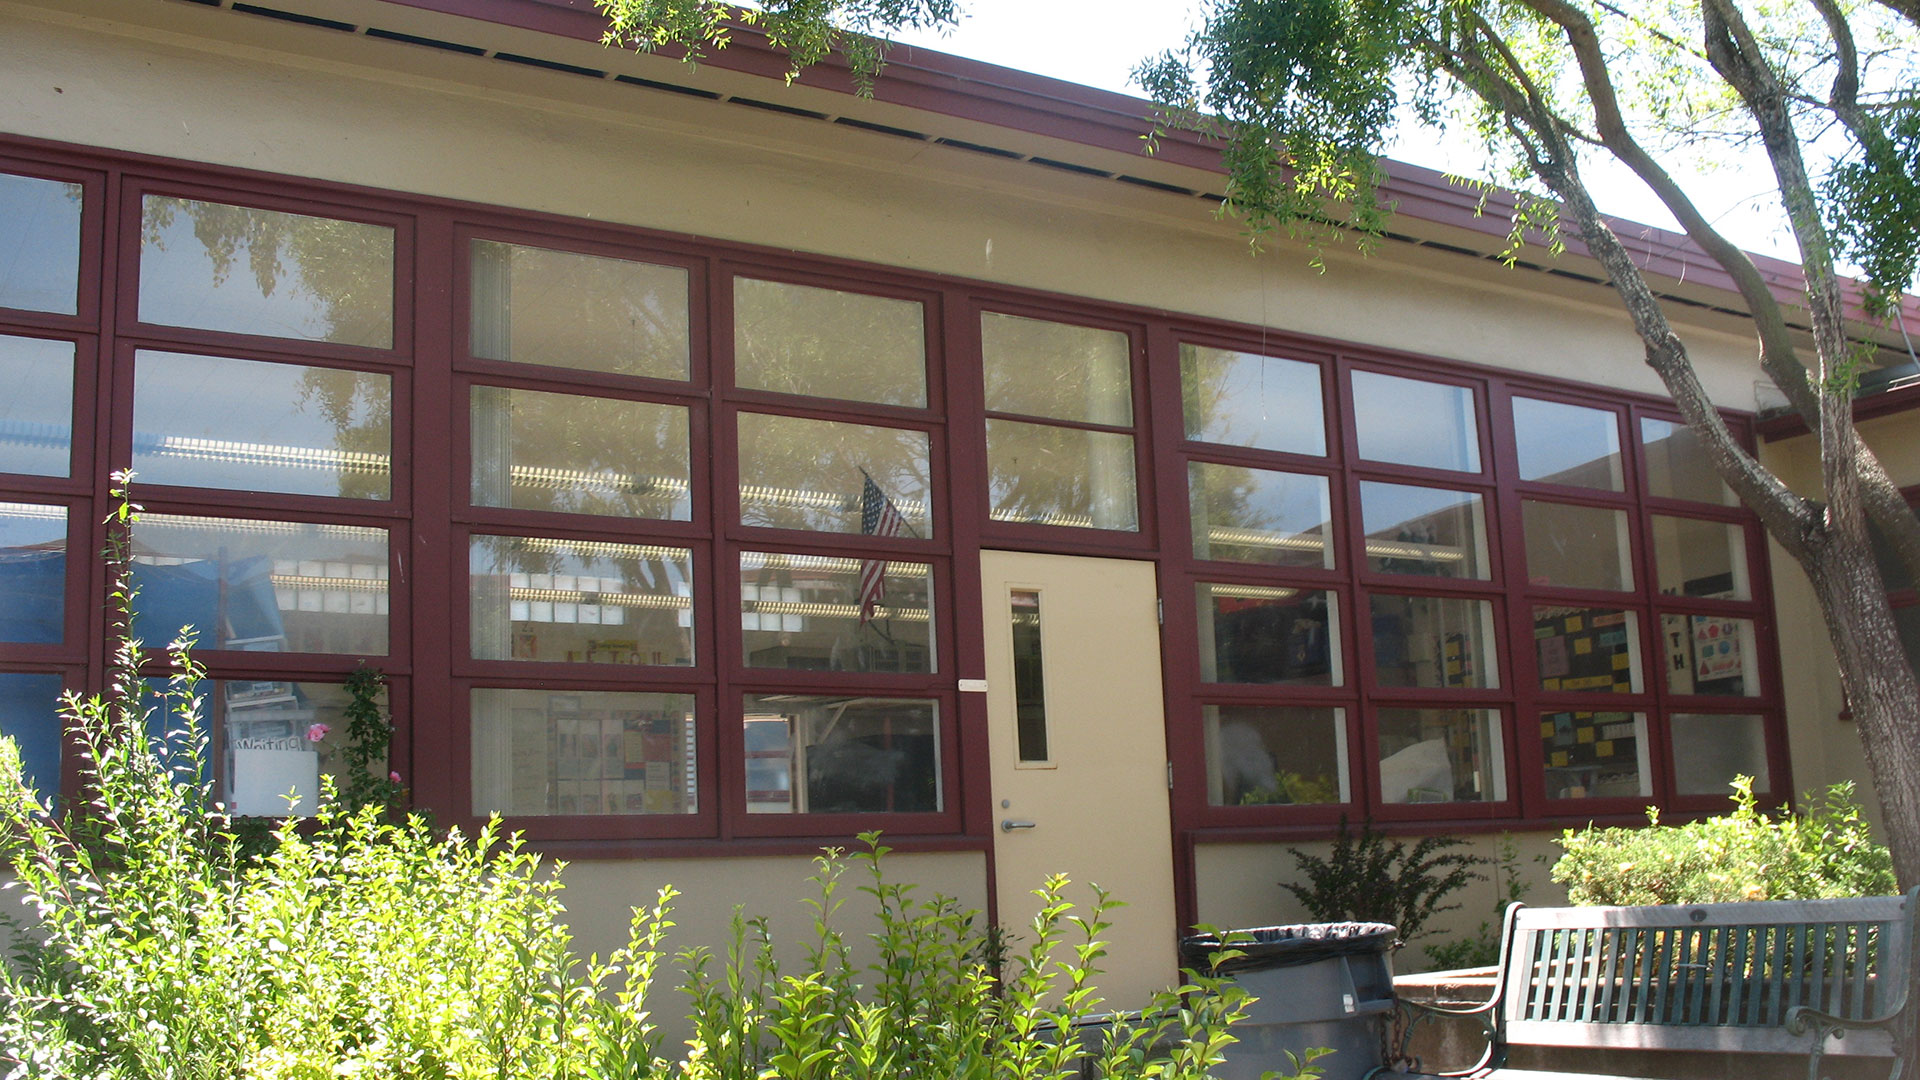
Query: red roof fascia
{"type": "Point", "coordinates": [1885, 403]}
{"type": "Point", "coordinates": [931, 81]}
{"type": "Point", "coordinates": [916, 78]}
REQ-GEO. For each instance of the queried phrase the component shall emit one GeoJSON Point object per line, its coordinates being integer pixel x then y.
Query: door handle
{"type": "Point", "coordinates": [1008, 825]}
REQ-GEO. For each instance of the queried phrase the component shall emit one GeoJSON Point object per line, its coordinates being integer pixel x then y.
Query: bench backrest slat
{"type": "Point", "coordinates": [1796, 956]}
{"type": "Point", "coordinates": [1869, 942]}
{"type": "Point", "coordinates": [1577, 979]}
{"type": "Point", "coordinates": [1606, 1007]}
{"type": "Point", "coordinates": [1704, 966]}
{"type": "Point", "coordinates": [1533, 959]}
{"type": "Point", "coordinates": [1720, 947]}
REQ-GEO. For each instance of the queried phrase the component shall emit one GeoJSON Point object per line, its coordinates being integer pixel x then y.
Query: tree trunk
{"type": "Point", "coordinates": [1880, 690]}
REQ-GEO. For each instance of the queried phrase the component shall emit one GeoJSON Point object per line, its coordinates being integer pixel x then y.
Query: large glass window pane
{"type": "Point", "coordinates": [1245, 399]}
{"type": "Point", "coordinates": [1411, 422]}
{"type": "Point", "coordinates": [1433, 641]}
{"type": "Point", "coordinates": [1678, 466]}
{"type": "Point", "coordinates": [245, 425]}
{"type": "Point", "coordinates": [1432, 531]}
{"type": "Point", "coordinates": [1265, 755]}
{"type": "Point", "coordinates": [1700, 558]}
{"type": "Point", "coordinates": [1062, 372]}
{"type": "Point", "coordinates": [579, 601]}
{"type": "Point", "coordinates": [800, 340]}
{"type": "Point", "coordinates": [261, 586]}
{"type": "Point", "coordinates": [1579, 547]}
{"type": "Point", "coordinates": [579, 455]}
{"type": "Point", "coordinates": [277, 740]}
{"type": "Point", "coordinates": [562, 309]}
{"type": "Point", "coordinates": [1046, 475]}
{"type": "Point", "coordinates": [1259, 516]}
{"type": "Point", "coordinates": [841, 755]}
{"type": "Point", "coordinates": [1592, 650]}
{"type": "Point", "coordinates": [40, 234]}
{"type": "Point", "coordinates": [1595, 755]}
{"type": "Point", "coordinates": [826, 476]}
{"type": "Point", "coordinates": [1710, 654]}
{"type": "Point", "coordinates": [539, 753]}
{"type": "Point", "coordinates": [235, 268]}
{"type": "Point", "coordinates": [1710, 750]}
{"type": "Point", "coordinates": [30, 716]}
{"type": "Point", "coordinates": [1441, 755]}
{"type": "Point", "coordinates": [33, 573]}
{"type": "Point", "coordinates": [1567, 444]}
{"type": "Point", "coordinates": [825, 613]}
{"type": "Point", "coordinates": [36, 412]}
{"type": "Point", "coordinates": [1269, 634]}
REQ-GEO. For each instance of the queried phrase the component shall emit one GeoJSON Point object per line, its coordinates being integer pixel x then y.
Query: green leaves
{"type": "Point", "coordinates": [1825, 850]}
{"type": "Point", "coordinates": [808, 31]}
{"type": "Point", "coordinates": [1370, 878]}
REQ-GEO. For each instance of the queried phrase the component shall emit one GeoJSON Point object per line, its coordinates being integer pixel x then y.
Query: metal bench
{"type": "Point", "coordinates": [1811, 977]}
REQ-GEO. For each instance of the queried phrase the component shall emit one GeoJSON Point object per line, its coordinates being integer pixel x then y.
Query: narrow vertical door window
{"type": "Point", "coordinates": [1029, 682]}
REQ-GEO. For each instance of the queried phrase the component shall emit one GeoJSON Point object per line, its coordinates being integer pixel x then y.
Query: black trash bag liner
{"type": "Point", "coordinates": [1266, 947]}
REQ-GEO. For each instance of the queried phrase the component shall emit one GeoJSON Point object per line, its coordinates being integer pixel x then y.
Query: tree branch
{"type": "Point", "coordinates": [1779, 355]}
{"type": "Point", "coordinates": [1908, 9]}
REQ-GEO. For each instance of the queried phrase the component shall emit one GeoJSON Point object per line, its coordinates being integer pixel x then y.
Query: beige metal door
{"type": "Point", "coordinates": [1092, 803]}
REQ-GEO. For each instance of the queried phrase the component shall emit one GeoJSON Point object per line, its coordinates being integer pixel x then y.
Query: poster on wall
{"type": "Point", "coordinates": [1716, 649]}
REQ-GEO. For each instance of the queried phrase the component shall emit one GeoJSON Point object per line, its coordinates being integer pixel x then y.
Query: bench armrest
{"type": "Point", "coordinates": [1410, 1014]}
{"type": "Point", "coordinates": [1802, 1019]}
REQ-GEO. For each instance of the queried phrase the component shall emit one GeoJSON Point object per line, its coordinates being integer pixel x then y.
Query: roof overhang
{"type": "Point", "coordinates": [935, 97]}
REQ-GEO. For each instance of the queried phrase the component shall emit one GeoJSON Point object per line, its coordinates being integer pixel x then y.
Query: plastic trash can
{"type": "Point", "coordinates": [1318, 984]}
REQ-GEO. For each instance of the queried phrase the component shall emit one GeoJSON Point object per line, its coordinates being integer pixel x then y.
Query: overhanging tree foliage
{"type": "Point", "coordinates": [1304, 92]}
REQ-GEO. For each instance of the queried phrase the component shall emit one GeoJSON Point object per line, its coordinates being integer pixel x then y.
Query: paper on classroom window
{"type": "Point", "coordinates": [262, 780]}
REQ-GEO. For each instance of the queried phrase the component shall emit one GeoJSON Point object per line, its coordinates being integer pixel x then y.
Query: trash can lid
{"type": "Point", "coordinates": [1264, 947]}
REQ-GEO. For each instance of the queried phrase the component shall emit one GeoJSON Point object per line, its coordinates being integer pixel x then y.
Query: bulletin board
{"type": "Point", "coordinates": [1583, 649]}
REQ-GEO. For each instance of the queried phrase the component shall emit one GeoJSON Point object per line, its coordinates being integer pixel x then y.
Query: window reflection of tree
{"type": "Point", "coordinates": [1232, 521]}
{"type": "Point", "coordinates": [569, 453]}
{"type": "Point", "coordinates": [343, 268]}
{"type": "Point", "coordinates": [798, 473]}
{"type": "Point", "coordinates": [797, 339]}
{"type": "Point", "coordinates": [564, 309]}
{"type": "Point", "coordinates": [1053, 475]}
{"type": "Point", "coordinates": [360, 409]}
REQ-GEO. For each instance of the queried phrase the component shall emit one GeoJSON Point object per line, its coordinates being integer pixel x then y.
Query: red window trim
{"type": "Point", "coordinates": [439, 226]}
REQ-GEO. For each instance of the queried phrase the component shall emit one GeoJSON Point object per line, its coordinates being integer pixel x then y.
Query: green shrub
{"type": "Point", "coordinates": [1371, 878]}
{"type": "Point", "coordinates": [156, 944]}
{"type": "Point", "coordinates": [1482, 947]}
{"type": "Point", "coordinates": [1825, 850]}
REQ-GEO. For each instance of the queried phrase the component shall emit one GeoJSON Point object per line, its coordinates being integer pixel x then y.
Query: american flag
{"type": "Point", "coordinates": [878, 517]}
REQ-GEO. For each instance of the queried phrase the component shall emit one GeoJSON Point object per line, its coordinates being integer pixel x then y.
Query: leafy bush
{"type": "Point", "coordinates": [1370, 878]}
{"type": "Point", "coordinates": [1826, 850]}
{"type": "Point", "coordinates": [360, 945]}
{"type": "Point", "coordinates": [1482, 948]}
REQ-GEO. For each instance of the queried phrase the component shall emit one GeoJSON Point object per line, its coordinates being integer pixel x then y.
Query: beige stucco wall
{"type": "Point", "coordinates": [319, 103]}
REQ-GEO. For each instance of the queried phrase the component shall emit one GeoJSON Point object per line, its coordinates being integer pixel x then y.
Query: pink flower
{"type": "Point", "coordinates": [394, 776]}
{"type": "Point", "coordinates": [317, 732]}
